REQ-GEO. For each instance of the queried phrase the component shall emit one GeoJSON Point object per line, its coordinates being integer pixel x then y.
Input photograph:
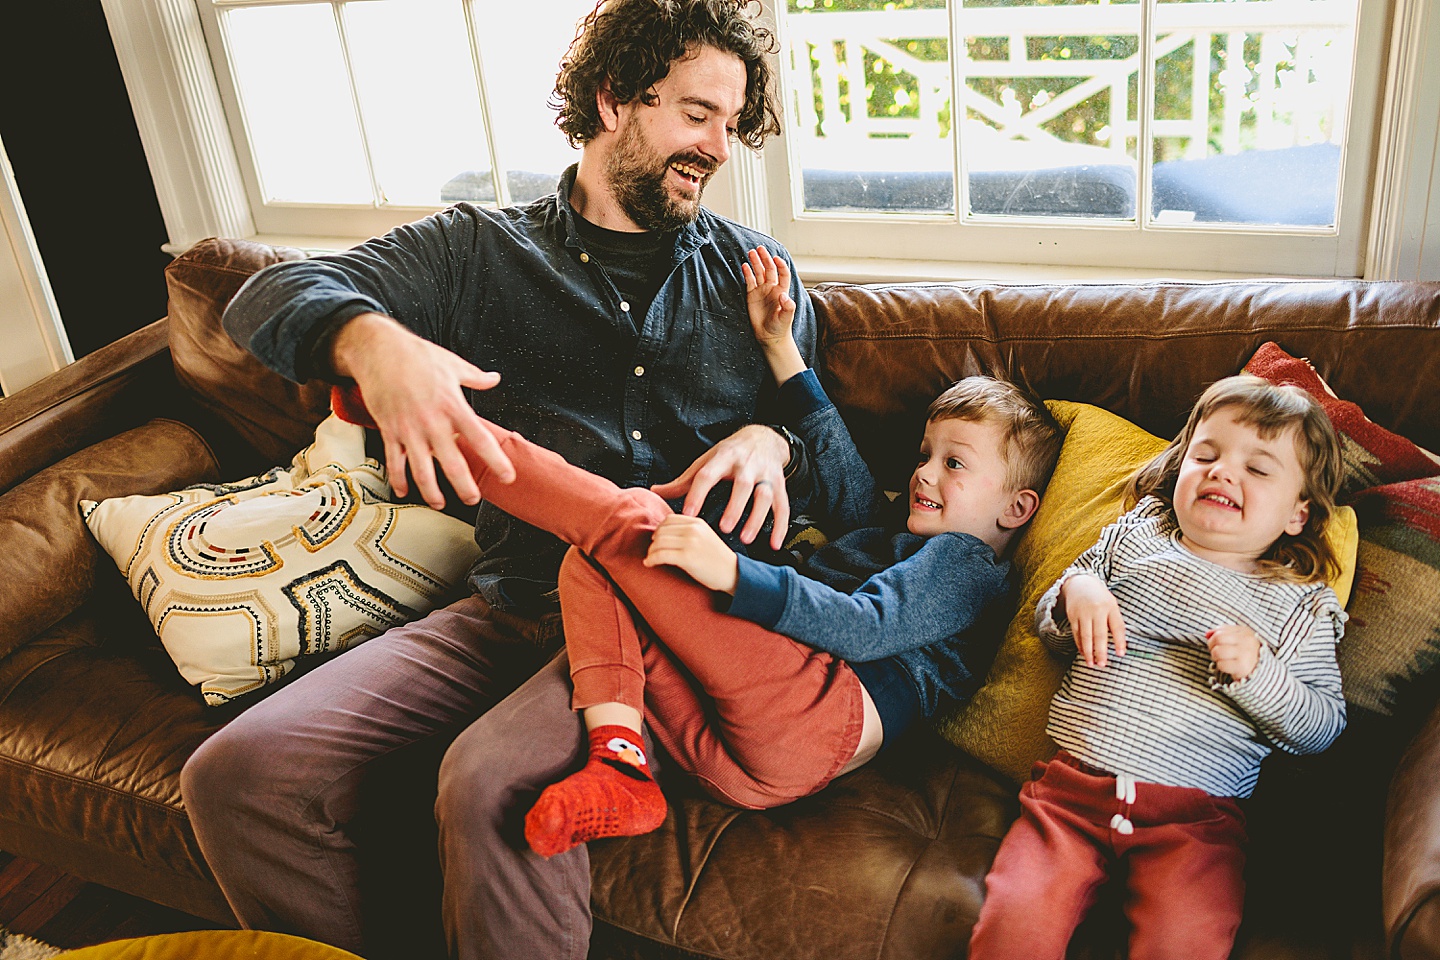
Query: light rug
{"type": "Point", "coordinates": [14, 946]}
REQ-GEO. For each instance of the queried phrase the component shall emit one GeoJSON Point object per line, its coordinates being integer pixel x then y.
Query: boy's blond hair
{"type": "Point", "coordinates": [1032, 436]}
{"type": "Point", "coordinates": [1307, 556]}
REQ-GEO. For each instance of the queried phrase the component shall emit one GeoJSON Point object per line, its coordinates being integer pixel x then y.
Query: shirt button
{"type": "Point", "coordinates": [584, 258]}
{"type": "Point", "coordinates": [639, 371]}
{"type": "Point", "coordinates": [624, 305]}
{"type": "Point", "coordinates": [635, 434]}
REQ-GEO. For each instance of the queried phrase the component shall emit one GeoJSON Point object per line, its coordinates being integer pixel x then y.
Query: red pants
{"type": "Point", "coordinates": [757, 718]}
{"type": "Point", "coordinates": [1184, 887]}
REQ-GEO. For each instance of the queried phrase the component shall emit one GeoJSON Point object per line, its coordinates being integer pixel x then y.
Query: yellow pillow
{"type": "Point", "coordinates": [1004, 724]}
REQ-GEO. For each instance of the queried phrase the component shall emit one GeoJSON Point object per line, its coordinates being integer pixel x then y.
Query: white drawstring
{"type": "Point", "coordinates": [1125, 793]}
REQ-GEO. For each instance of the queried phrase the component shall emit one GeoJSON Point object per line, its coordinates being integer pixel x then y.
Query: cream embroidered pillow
{"type": "Point", "coordinates": [241, 579]}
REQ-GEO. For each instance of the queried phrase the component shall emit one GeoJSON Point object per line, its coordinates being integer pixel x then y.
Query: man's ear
{"type": "Point", "coordinates": [1020, 509]}
{"type": "Point", "coordinates": [608, 106]}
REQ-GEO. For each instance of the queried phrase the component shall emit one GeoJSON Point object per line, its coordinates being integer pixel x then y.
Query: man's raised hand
{"type": "Point", "coordinates": [414, 390]}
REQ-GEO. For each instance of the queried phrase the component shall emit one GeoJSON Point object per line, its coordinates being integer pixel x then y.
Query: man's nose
{"type": "Point", "coordinates": [717, 143]}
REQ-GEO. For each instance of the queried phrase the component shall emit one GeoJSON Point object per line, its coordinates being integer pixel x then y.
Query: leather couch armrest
{"type": "Point", "coordinates": [1410, 891]}
{"type": "Point", "coordinates": [117, 387]}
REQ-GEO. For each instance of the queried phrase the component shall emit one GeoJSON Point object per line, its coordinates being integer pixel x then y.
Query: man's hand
{"type": "Point", "coordinates": [690, 544]}
{"type": "Point", "coordinates": [753, 459]}
{"type": "Point", "coordinates": [1094, 616]}
{"type": "Point", "coordinates": [1235, 649]}
{"type": "Point", "coordinates": [413, 389]}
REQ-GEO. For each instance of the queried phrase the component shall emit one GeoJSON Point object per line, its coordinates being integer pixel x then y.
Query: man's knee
{"type": "Point", "coordinates": [222, 772]}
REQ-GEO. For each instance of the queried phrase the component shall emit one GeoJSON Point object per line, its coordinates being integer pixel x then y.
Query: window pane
{"type": "Point", "coordinates": [1251, 107]}
{"type": "Point", "coordinates": [295, 95]}
{"type": "Point", "coordinates": [1049, 123]}
{"type": "Point", "coordinates": [520, 77]}
{"type": "Point", "coordinates": [870, 119]}
{"type": "Point", "coordinates": [418, 94]}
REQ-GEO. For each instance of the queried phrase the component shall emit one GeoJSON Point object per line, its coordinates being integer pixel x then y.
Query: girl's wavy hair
{"type": "Point", "coordinates": [1307, 556]}
{"type": "Point", "coordinates": [633, 43]}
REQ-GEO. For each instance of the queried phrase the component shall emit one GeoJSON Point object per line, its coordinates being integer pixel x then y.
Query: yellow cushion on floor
{"type": "Point", "coordinates": [212, 945]}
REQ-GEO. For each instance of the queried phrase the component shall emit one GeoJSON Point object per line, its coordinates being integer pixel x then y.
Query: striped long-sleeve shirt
{"type": "Point", "coordinates": [1162, 713]}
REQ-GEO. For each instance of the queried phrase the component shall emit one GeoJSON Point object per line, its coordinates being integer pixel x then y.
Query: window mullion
{"type": "Point", "coordinates": [477, 61]}
{"type": "Point", "coordinates": [1144, 113]}
{"type": "Point", "coordinates": [376, 190]}
{"type": "Point", "coordinates": [959, 112]}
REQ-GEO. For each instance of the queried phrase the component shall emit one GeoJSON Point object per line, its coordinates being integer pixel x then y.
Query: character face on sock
{"type": "Point", "coordinates": [626, 751]}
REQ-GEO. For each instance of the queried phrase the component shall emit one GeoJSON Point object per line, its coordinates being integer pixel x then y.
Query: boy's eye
{"type": "Point", "coordinates": [954, 464]}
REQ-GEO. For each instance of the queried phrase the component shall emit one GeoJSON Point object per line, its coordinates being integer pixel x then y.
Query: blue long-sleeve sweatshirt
{"type": "Point", "coordinates": [878, 591]}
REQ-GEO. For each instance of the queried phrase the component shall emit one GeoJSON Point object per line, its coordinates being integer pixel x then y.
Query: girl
{"type": "Point", "coordinates": [1211, 593]}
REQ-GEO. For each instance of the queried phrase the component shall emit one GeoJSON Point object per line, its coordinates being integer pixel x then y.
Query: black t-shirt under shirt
{"type": "Point", "coordinates": [633, 261]}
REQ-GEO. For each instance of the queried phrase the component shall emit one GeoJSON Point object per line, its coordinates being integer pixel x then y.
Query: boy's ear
{"type": "Point", "coordinates": [608, 106]}
{"type": "Point", "coordinates": [1021, 508]}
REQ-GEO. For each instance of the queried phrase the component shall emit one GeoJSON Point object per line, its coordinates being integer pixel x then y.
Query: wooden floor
{"type": "Point", "coordinates": [64, 911]}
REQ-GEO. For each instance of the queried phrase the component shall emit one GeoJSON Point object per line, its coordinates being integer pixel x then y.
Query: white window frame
{"type": "Point", "coordinates": [1392, 233]}
{"type": "Point", "coordinates": [35, 341]}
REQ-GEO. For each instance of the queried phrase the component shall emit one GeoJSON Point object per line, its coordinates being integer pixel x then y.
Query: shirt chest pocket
{"type": "Point", "coordinates": [725, 370]}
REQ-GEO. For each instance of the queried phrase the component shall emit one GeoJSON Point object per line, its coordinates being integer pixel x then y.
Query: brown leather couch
{"type": "Point", "coordinates": [886, 863]}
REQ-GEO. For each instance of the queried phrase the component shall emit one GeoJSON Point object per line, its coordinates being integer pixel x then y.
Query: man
{"type": "Point", "coordinates": [607, 322]}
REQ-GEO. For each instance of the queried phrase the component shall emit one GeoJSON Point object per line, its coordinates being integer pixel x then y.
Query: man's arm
{"type": "Point", "coordinates": [413, 387]}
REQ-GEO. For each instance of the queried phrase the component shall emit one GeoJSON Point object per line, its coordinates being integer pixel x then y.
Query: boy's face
{"type": "Point", "coordinates": [1237, 492]}
{"type": "Point", "coordinates": [959, 483]}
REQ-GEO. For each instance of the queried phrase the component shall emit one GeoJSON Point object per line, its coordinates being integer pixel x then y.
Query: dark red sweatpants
{"type": "Point", "coordinates": [1184, 863]}
{"type": "Point", "coordinates": [757, 718]}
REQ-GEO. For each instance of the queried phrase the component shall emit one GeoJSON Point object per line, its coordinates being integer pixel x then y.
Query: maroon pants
{"type": "Point", "coordinates": [757, 718]}
{"type": "Point", "coordinates": [1185, 858]}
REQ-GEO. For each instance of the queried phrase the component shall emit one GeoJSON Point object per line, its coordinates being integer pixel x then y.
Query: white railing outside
{"type": "Point", "coordinates": [1295, 93]}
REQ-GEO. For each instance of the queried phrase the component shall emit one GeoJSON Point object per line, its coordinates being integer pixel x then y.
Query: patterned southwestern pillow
{"type": "Point", "coordinates": [1393, 638]}
{"type": "Point", "coordinates": [1004, 724]}
{"type": "Point", "coordinates": [240, 579]}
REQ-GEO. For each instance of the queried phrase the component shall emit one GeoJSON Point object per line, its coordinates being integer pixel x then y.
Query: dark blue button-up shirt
{"type": "Point", "coordinates": [514, 290]}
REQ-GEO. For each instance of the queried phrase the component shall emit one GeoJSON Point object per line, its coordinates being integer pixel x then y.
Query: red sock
{"type": "Point", "coordinates": [613, 795]}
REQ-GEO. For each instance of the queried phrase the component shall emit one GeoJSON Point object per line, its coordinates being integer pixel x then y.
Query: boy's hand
{"type": "Point", "coordinates": [767, 295]}
{"type": "Point", "coordinates": [772, 312]}
{"type": "Point", "coordinates": [1235, 649]}
{"type": "Point", "coordinates": [690, 544]}
{"type": "Point", "coordinates": [1094, 617]}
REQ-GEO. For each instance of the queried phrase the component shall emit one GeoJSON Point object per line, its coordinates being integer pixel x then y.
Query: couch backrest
{"type": "Point", "coordinates": [1144, 350]}
{"type": "Point", "coordinates": [271, 415]}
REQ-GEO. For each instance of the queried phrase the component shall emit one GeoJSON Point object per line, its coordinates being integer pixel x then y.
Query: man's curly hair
{"type": "Point", "coordinates": [633, 43]}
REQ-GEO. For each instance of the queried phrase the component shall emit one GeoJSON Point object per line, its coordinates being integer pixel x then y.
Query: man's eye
{"type": "Point", "coordinates": [694, 119]}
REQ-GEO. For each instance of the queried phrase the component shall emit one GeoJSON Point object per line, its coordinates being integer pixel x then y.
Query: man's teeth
{"type": "Point", "coordinates": [684, 169]}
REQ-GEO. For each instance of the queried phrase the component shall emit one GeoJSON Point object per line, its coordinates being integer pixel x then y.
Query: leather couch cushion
{"type": "Point", "coordinates": [892, 855]}
{"type": "Point", "coordinates": [98, 725]}
{"type": "Point", "coordinates": [272, 415]}
{"type": "Point", "coordinates": [49, 562]}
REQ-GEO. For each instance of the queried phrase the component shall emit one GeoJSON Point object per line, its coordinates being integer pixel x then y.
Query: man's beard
{"type": "Point", "coordinates": [637, 179]}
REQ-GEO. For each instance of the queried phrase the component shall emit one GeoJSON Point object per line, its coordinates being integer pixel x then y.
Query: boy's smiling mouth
{"type": "Point", "coordinates": [924, 504]}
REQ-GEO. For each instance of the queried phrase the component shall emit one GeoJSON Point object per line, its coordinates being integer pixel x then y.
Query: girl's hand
{"type": "Point", "coordinates": [690, 544]}
{"type": "Point", "coordinates": [1094, 616]}
{"type": "Point", "coordinates": [767, 296]}
{"type": "Point", "coordinates": [1235, 650]}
